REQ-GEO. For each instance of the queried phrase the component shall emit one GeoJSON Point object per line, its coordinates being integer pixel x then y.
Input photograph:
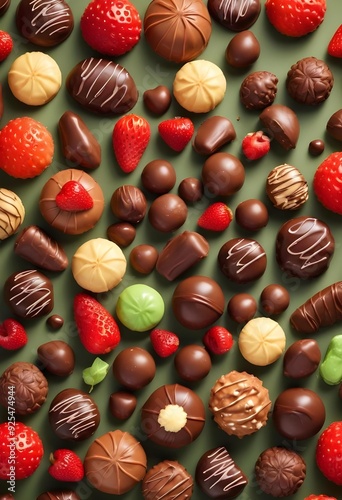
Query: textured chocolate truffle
{"type": "Point", "coordinates": [242, 307]}
{"type": "Point", "coordinates": [158, 176]}
{"type": "Point", "coordinates": [59, 495]}
{"type": "Point", "coordinates": [115, 462]}
{"type": "Point", "coordinates": [128, 203]}
{"type": "Point", "coordinates": [304, 247]}
{"type": "Point", "coordinates": [57, 357]}
{"type": "Point", "coordinates": [167, 213]}
{"type": "Point", "coordinates": [167, 480]}
{"type": "Point", "coordinates": [239, 403]}
{"type": "Point", "coordinates": [286, 187]}
{"type": "Point", "coordinates": [274, 299]}
{"type": "Point", "coordinates": [212, 134]}
{"type": "Point", "coordinates": [334, 125]}
{"type": "Point", "coordinates": [251, 214]}
{"type": "Point", "coordinates": [73, 415]}
{"type": "Point", "coordinates": [222, 174]}
{"type": "Point", "coordinates": [173, 416]}
{"type": "Point", "coordinates": [122, 404]}
{"type": "Point", "coordinates": [258, 90]}
{"type": "Point", "coordinates": [190, 189]}
{"type": "Point", "coordinates": [177, 30]}
{"type": "Point", "coordinates": [236, 16]}
{"type": "Point", "coordinates": [282, 124]}
{"type": "Point", "coordinates": [218, 476]}
{"type": "Point", "coordinates": [143, 258]}
{"type": "Point", "coordinates": [279, 471]}
{"type": "Point", "coordinates": [309, 81]}
{"type": "Point", "coordinates": [197, 302]}
{"type": "Point", "coordinates": [192, 362]}
{"type": "Point", "coordinates": [301, 358]}
{"type": "Point", "coordinates": [242, 50]}
{"type": "Point", "coordinates": [134, 368]}
{"type": "Point", "coordinates": [28, 384]}
{"type": "Point", "coordinates": [242, 260]}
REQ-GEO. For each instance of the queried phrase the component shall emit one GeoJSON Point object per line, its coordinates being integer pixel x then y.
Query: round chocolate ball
{"type": "Point", "coordinates": [122, 404]}
{"type": "Point", "coordinates": [242, 260]}
{"type": "Point", "coordinates": [316, 147]}
{"type": "Point", "coordinates": [128, 203]}
{"type": "Point", "coordinates": [258, 90]}
{"type": "Point", "coordinates": [55, 321]}
{"type": "Point", "coordinates": [190, 189]}
{"type": "Point", "coordinates": [251, 214]}
{"type": "Point", "coordinates": [57, 357]}
{"type": "Point", "coordinates": [143, 258]}
{"type": "Point", "coordinates": [192, 363]}
{"type": "Point", "coordinates": [134, 368]}
{"type": "Point", "coordinates": [222, 175]}
{"type": "Point", "coordinates": [242, 307]}
{"type": "Point", "coordinates": [121, 233]}
{"type": "Point", "coordinates": [167, 213]}
{"type": "Point", "coordinates": [158, 176]}
{"type": "Point", "coordinates": [243, 49]}
{"type": "Point", "coordinates": [274, 299]}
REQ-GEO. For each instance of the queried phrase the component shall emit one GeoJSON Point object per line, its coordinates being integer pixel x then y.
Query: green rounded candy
{"type": "Point", "coordinates": [140, 307]}
{"type": "Point", "coordinates": [331, 366]}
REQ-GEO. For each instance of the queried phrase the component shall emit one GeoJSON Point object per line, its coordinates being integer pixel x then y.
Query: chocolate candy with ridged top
{"type": "Point", "coordinates": [258, 90]}
{"type": "Point", "coordinates": [212, 134]}
{"type": "Point", "coordinates": [282, 124]}
{"type": "Point", "coordinates": [57, 357]}
{"type": "Point", "coordinates": [102, 86]}
{"type": "Point", "coordinates": [251, 214]}
{"type": "Point", "coordinates": [243, 49]}
{"type": "Point", "coordinates": [218, 476]}
{"type": "Point", "coordinates": [59, 495]}
{"type": "Point", "coordinates": [301, 358]}
{"type": "Point", "coordinates": [242, 260]}
{"type": "Point", "coordinates": [128, 203]}
{"type": "Point", "coordinates": [236, 16]}
{"type": "Point", "coordinates": [167, 480]}
{"type": "Point", "coordinates": [334, 125]}
{"type": "Point", "coordinates": [286, 187]}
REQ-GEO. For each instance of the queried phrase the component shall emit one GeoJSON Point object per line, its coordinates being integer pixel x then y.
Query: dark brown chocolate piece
{"type": "Point", "coordinates": [279, 471]}
{"type": "Point", "coordinates": [59, 495]}
{"type": "Point", "coordinates": [218, 476]}
{"type": "Point", "coordinates": [242, 260]}
{"type": "Point", "coordinates": [158, 176]}
{"type": "Point", "coordinates": [121, 233]}
{"type": "Point", "coordinates": [167, 213]}
{"type": "Point", "coordinates": [258, 90]}
{"type": "Point", "coordinates": [134, 368]}
{"type": "Point", "coordinates": [4, 4]}
{"type": "Point", "coordinates": [236, 16]}
{"type": "Point", "coordinates": [35, 246]}
{"type": "Point", "coordinates": [122, 404]}
{"type": "Point", "coordinates": [301, 358]}
{"type": "Point", "coordinates": [167, 480]}
{"type": "Point", "coordinates": [57, 357]}
{"type": "Point", "coordinates": [222, 175]}
{"type": "Point", "coordinates": [282, 124]}
{"type": "Point", "coordinates": [143, 258]}
{"type": "Point", "coordinates": [304, 247]}
{"type": "Point", "coordinates": [79, 146]}
{"type": "Point", "coordinates": [334, 125]}
{"type": "Point", "coordinates": [316, 147]}
{"type": "Point", "coordinates": [309, 81]}
{"type": "Point", "coordinates": [55, 321]}
{"type": "Point", "coordinates": [157, 100]}
{"type": "Point", "coordinates": [212, 134]}
{"type": "Point", "coordinates": [128, 203]}
{"type": "Point", "coordinates": [102, 86]}
{"type": "Point", "coordinates": [190, 189]}
{"type": "Point", "coordinates": [242, 307]}
{"type": "Point", "coordinates": [242, 50]}
{"type": "Point", "coordinates": [286, 187]}
{"type": "Point", "coordinates": [180, 253]}
{"type": "Point", "coordinates": [274, 299]}
{"type": "Point", "coordinates": [324, 308]}
{"type": "Point", "coordinates": [192, 362]}
{"type": "Point", "coordinates": [159, 420]}
{"type": "Point", "coordinates": [251, 214]}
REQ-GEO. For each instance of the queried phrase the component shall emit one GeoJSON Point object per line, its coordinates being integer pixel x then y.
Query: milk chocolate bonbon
{"type": "Point", "coordinates": [242, 307]}
{"type": "Point", "coordinates": [222, 174]}
{"type": "Point", "coordinates": [121, 233]}
{"type": "Point", "coordinates": [158, 176]}
{"type": "Point", "coordinates": [316, 147]}
{"type": "Point", "coordinates": [122, 404]}
{"type": "Point", "coordinates": [301, 358]}
{"type": "Point", "coordinates": [134, 368]}
{"type": "Point", "coordinates": [242, 50]}
{"type": "Point", "coordinates": [242, 260]}
{"type": "Point", "coordinates": [143, 258]}
{"type": "Point", "coordinates": [190, 189]}
{"type": "Point", "coordinates": [128, 203]}
{"type": "Point", "coordinates": [167, 213]}
{"type": "Point", "coordinates": [56, 357]}
{"type": "Point", "coordinates": [192, 362]}
{"type": "Point", "coordinates": [212, 134]}
{"type": "Point", "coordinates": [157, 100]}
{"type": "Point", "coordinates": [274, 299]}
{"type": "Point", "coordinates": [282, 124]}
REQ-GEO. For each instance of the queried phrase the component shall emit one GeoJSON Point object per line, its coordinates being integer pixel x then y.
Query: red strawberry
{"type": "Point", "coordinates": [295, 17]}
{"type": "Point", "coordinates": [21, 449]}
{"type": "Point", "coordinates": [176, 132]}
{"type": "Point", "coordinates": [216, 217]}
{"type": "Point", "coordinates": [131, 136]}
{"type": "Point", "coordinates": [6, 45]}
{"type": "Point", "coordinates": [12, 335]}
{"type": "Point", "coordinates": [335, 44]}
{"type": "Point", "coordinates": [255, 145]}
{"type": "Point", "coordinates": [66, 466]}
{"type": "Point", "coordinates": [218, 340]}
{"type": "Point", "coordinates": [112, 27]}
{"type": "Point", "coordinates": [26, 148]}
{"type": "Point", "coordinates": [327, 182]}
{"type": "Point", "coordinates": [329, 452]}
{"type": "Point", "coordinates": [73, 197]}
{"type": "Point", "coordinates": [319, 497]}
{"type": "Point", "coordinates": [98, 331]}
{"type": "Point", "coordinates": [164, 342]}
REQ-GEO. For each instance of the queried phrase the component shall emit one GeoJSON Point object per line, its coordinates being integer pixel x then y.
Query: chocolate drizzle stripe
{"type": "Point", "coordinates": [237, 7]}
{"type": "Point", "coordinates": [163, 478]}
{"type": "Point", "coordinates": [7, 212]}
{"type": "Point", "coordinates": [309, 255]}
{"type": "Point", "coordinates": [59, 18]}
{"type": "Point", "coordinates": [250, 247]}
{"type": "Point", "coordinates": [29, 288]}
{"type": "Point", "coordinates": [76, 411]}
{"type": "Point", "coordinates": [289, 186]}
{"type": "Point", "coordinates": [223, 468]}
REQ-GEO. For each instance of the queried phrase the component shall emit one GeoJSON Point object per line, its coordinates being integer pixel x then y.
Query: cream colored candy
{"type": "Point", "coordinates": [12, 213]}
{"type": "Point", "coordinates": [199, 86]}
{"type": "Point", "coordinates": [34, 78]}
{"type": "Point", "coordinates": [98, 265]}
{"type": "Point", "coordinates": [262, 341]}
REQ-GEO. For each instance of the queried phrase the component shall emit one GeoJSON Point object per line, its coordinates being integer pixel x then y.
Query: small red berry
{"type": "Point", "coordinates": [164, 342]}
{"type": "Point", "coordinates": [216, 217]}
{"type": "Point", "coordinates": [256, 145]}
{"type": "Point", "coordinates": [6, 45]}
{"type": "Point", "coordinates": [218, 340]}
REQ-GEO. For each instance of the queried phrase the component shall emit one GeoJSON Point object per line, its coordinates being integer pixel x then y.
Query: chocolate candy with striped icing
{"type": "Point", "coordinates": [242, 260]}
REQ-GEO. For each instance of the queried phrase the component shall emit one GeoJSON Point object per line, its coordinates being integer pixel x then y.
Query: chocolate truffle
{"type": "Point", "coordinates": [218, 476]}
{"type": "Point", "coordinates": [258, 90]}
{"type": "Point", "coordinates": [173, 416]}
{"type": "Point", "coordinates": [122, 404]}
{"type": "Point", "coordinates": [222, 175]}
{"type": "Point", "coordinates": [212, 134]}
{"type": "Point", "coordinates": [190, 189]}
{"type": "Point", "coordinates": [167, 213]}
{"type": "Point", "coordinates": [251, 214]}
{"type": "Point", "coordinates": [115, 462]}
{"type": "Point", "coordinates": [55, 321]}
{"type": "Point", "coordinates": [29, 294]}
{"type": "Point", "coordinates": [309, 81]}
{"type": "Point", "coordinates": [59, 495]}
{"type": "Point", "coordinates": [334, 125]}
{"type": "Point", "coordinates": [236, 16]}
{"type": "Point", "coordinates": [4, 4]}
{"type": "Point", "coordinates": [128, 203]}
{"type": "Point", "coordinates": [199, 86]}
{"type": "Point", "coordinates": [286, 187]}
{"type": "Point", "coordinates": [242, 260]}
{"type": "Point", "coordinates": [279, 471]}
{"type": "Point", "coordinates": [298, 413]}
{"type": "Point", "coordinates": [157, 100]}
{"type": "Point", "coordinates": [316, 147]}
{"type": "Point", "coordinates": [282, 124]}
{"type": "Point", "coordinates": [274, 299]}
{"type": "Point", "coordinates": [35, 246]}
{"type": "Point", "coordinates": [73, 415]}
{"type": "Point", "coordinates": [262, 341]}
{"type": "Point", "coordinates": [28, 384]}
{"type": "Point", "coordinates": [301, 358]}
{"type": "Point", "coordinates": [192, 362]}
{"type": "Point", "coordinates": [12, 213]}
{"type": "Point", "coordinates": [158, 176]}
{"type": "Point", "coordinates": [143, 258]}
{"type": "Point", "coordinates": [167, 480]}
{"type": "Point", "coordinates": [134, 368]}
{"type": "Point", "coordinates": [304, 247]}
{"type": "Point", "coordinates": [56, 357]}
{"type": "Point", "coordinates": [71, 222]}
{"type": "Point", "coordinates": [242, 307]}
{"type": "Point", "coordinates": [197, 302]}
{"type": "Point", "coordinates": [242, 50]}
{"type": "Point", "coordinates": [102, 86]}
{"type": "Point", "coordinates": [239, 403]}
{"type": "Point", "coordinates": [177, 30]}
{"type": "Point", "coordinates": [121, 233]}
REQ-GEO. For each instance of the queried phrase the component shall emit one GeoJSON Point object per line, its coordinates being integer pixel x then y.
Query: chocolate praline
{"type": "Point", "coordinates": [334, 125]}
{"type": "Point", "coordinates": [128, 203]}
{"type": "Point", "coordinates": [143, 258]}
{"type": "Point", "coordinates": [134, 367]}
{"type": "Point", "coordinates": [122, 404]}
{"type": "Point", "coordinates": [59, 495]}
{"type": "Point", "coordinates": [301, 358]}
{"type": "Point", "coordinates": [235, 16]}
{"type": "Point", "coordinates": [222, 174]}
{"type": "Point", "coordinates": [251, 214]}
{"type": "Point", "coordinates": [258, 90]}
{"type": "Point", "coordinates": [55, 321]}
{"type": "Point", "coordinates": [274, 299]}
{"type": "Point", "coordinates": [286, 187]}
{"type": "Point", "coordinates": [121, 233]}
{"type": "Point", "coordinates": [242, 50]}
{"type": "Point", "coordinates": [167, 480]}
{"type": "Point", "coordinates": [167, 213]}
{"type": "Point", "coordinates": [212, 134]}
{"type": "Point", "coordinates": [192, 363]}
{"type": "Point", "coordinates": [157, 100]}
{"type": "Point", "coordinates": [282, 124]}
{"type": "Point", "coordinates": [242, 307]}
{"type": "Point", "coordinates": [158, 176]}
{"type": "Point", "coordinates": [316, 147]}
{"type": "Point", "coordinates": [242, 260]}
{"type": "Point", "coordinates": [57, 357]}
{"type": "Point", "coordinates": [190, 189]}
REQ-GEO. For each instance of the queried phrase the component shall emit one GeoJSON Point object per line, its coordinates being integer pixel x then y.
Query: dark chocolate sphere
{"type": "Point", "coordinates": [192, 362]}
{"type": "Point", "coordinates": [190, 189]}
{"type": "Point", "coordinates": [158, 176]}
{"type": "Point", "coordinates": [243, 49]}
{"type": "Point", "coordinates": [242, 307]}
{"type": "Point", "coordinates": [134, 368]}
{"type": "Point", "coordinates": [251, 214]}
{"type": "Point", "coordinates": [167, 213]}
{"type": "Point", "coordinates": [274, 299]}
{"type": "Point", "coordinates": [222, 175]}
{"type": "Point", "coordinates": [143, 258]}
{"type": "Point", "coordinates": [128, 203]}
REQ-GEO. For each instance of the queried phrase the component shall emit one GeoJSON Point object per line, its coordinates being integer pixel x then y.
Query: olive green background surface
{"type": "Point", "coordinates": [278, 53]}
